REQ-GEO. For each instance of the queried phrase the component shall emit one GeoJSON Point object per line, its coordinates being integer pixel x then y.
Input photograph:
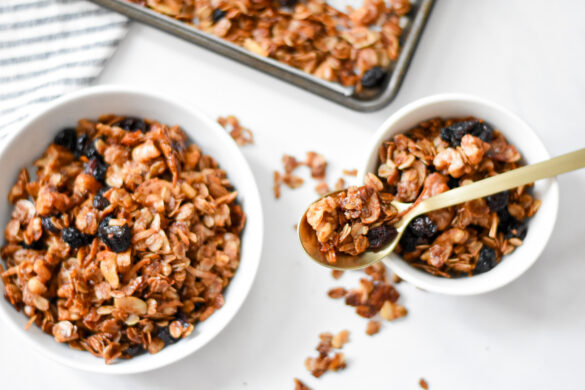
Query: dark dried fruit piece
{"type": "Point", "coordinates": [85, 147]}
{"type": "Point", "coordinates": [409, 241]}
{"type": "Point", "coordinates": [380, 236]}
{"type": "Point", "coordinates": [516, 229]}
{"type": "Point", "coordinates": [423, 226]}
{"type": "Point", "coordinates": [483, 131]}
{"type": "Point", "coordinates": [132, 124]}
{"type": "Point", "coordinates": [48, 225]}
{"type": "Point", "coordinates": [217, 15]}
{"type": "Point", "coordinates": [374, 77]}
{"type": "Point", "coordinates": [134, 350]}
{"type": "Point", "coordinates": [164, 334]}
{"type": "Point", "coordinates": [453, 183]}
{"type": "Point", "coordinates": [74, 238]}
{"type": "Point", "coordinates": [117, 238]}
{"type": "Point", "coordinates": [97, 168]}
{"type": "Point", "coordinates": [67, 138]}
{"type": "Point", "coordinates": [453, 134]}
{"type": "Point", "coordinates": [486, 261]}
{"type": "Point", "coordinates": [36, 245]}
{"type": "Point", "coordinates": [499, 201]}
{"type": "Point", "coordinates": [100, 202]}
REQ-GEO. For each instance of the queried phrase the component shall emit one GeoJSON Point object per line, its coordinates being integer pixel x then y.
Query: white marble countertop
{"type": "Point", "coordinates": [526, 55]}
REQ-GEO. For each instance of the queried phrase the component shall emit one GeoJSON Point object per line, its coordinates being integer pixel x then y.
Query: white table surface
{"type": "Point", "coordinates": [526, 55]}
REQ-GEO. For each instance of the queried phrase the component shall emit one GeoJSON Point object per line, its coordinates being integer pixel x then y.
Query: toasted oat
{"type": "Point", "coordinates": [373, 327]}
{"type": "Point", "coordinates": [322, 188]}
{"type": "Point", "coordinates": [350, 48]}
{"type": "Point", "coordinates": [240, 134]}
{"type": "Point", "coordinates": [350, 172]}
{"type": "Point", "coordinates": [423, 384]}
{"type": "Point", "coordinates": [340, 339]}
{"type": "Point", "coordinates": [328, 360]}
{"type": "Point", "coordinates": [337, 292]}
{"type": "Point", "coordinates": [300, 385]}
{"type": "Point", "coordinates": [125, 239]}
{"type": "Point", "coordinates": [339, 184]}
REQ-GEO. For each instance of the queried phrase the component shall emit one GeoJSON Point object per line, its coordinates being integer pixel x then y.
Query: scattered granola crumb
{"type": "Point", "coordinates": [325, 362]}
{"type": "Point", "coordinates": [240, 134]}
{"type": "Point", "coordinates": [423, 384]}
{"type": "Point", "coordinates": [300, 385]}
{"type": "Point", "coordinates": [336, 274]}
{"type": "Point", "coordinates": [337, 292]}
{"type": "Point", "coordinates": [277, 184]}
{"type": "Point", "coordinates": [395, 278]}
{"type": "Point", "coordinates": [318, 165]}
{"type": "Point", "coordinates": [340, 339]}
{"type": "Point", "coordinates": [322, 188]}
{"type": "Point", "coordinates": [350, 172]}
{"type": "Point", "coordinates": [340, 184]}
{"type": "Point", "coordinates": [292, 181]}
{"type": "Point", "coordinates": [391, 311]}
{"type": "Point", "coordinates": [373, 327]}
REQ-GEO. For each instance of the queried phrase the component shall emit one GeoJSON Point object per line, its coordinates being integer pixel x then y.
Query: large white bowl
{"type": "Point", "coordinates": [530, 146]}
{"type": "Point", "coordinates": [30, 141]}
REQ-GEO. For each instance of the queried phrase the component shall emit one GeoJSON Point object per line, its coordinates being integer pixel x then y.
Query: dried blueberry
{"type": "Point", "coordinates": [97, 168]}
{"type": "Point", "coordinates": [134, 350]}
{"type": "Point", "coordinates": [36, 245]}
{"type": "Point", "coordinates": [409, 241]}
{"type": "Point", "coordinates": [164, 334]}
{"type": "Point", "coordinates": [374, 77]}
{"type": "Point", "coordinates": [423, 226]}
{"type": "Point", "coordinates": [453, 183]}
{"type": "Point", "coordinates": [483, 131]}
{"type": "Point", "coordinates": [48, 225]}
{"type": "Point", "coordinates": [486, 261]}
{"type": "Point", "coordinates": [100, 202]}
{"type": "Point", "coordinates": [67, 138]}
{"type": "Point", "coordinates": [85, 147]}
{"type": "Point", "coordinates": [516, 229]}
{"type": "Point", "coordinates": [74, 238]}
{"type": "Point", "coordinates": [198, 305]}
{"type": "Point", "coordinates": [217, 15]}
{"type": "Point", "coordinates": [117, 238]}
{"type": "Point", "coordinates": [453, 134]}
{"type": "Point", "coordinates": [132, 124]}
{"type": "Point", "coordinates": [499, 201]}
{"type": "Point", "coordinates": [380, 236]}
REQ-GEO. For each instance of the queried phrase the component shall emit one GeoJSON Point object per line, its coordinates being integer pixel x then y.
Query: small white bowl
{"type": "Point", "coordinates": [29, 142]}
{"type": "Point", "coordinates": [532, 149]}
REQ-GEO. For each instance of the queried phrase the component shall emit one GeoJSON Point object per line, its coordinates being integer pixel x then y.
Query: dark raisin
{"type": "Point", "coordinates": [132, 124]}
{"type": "Point", "coordinates": [453, 134]}
{"type": "Point", "coordinates": [374, 77]}
{"type": "Point", "coordinates": [423, 226]}
{"type": "Point", "coordinates": [483, 131]}
{"type": "Point", "coordinates": [453, 183]}
{"type": "Point", "coordinates": [74, 238]}
{"type": "Point", "coordinates": [117, 238]}
{"type": "Point", "coordinates": [516, 229]}
{"type": "Point", "coordinates": [85, 147]}
{"type": "Point", "coordinates": [499, 201]}
{"type": "Point", "coordinates": [134, 350]}
{"type": "Point", "coordinates": [97, 168]}
{"type": "Point", "coordinates": [67, 138]}
{"type": "Point", "coordinates": [380, 236]}
{"type": "Point", "coordinates": [506, 219]}
{"type": "Point", "coordinates": [36, 245]}
{"type": "Point", "coordinates": [409, 241]}
{"type": "Point", "coordinates": [217, 15]}
{"type": "Point", "coordinates": [486, 261]}
{"type": "Point", "coordinates": [164, 334]}
{"type": "Point", "coordinates": [48, 225]}
{"type": "Point", "coordinates": [181, 316]}
{"type": "Point", "coordinates": [198, 305]}
{"type": "Point", "coordinates": [100, 202]}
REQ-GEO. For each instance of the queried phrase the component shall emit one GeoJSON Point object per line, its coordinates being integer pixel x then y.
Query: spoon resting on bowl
{"type": "Point", "coordinates": [408, 211]}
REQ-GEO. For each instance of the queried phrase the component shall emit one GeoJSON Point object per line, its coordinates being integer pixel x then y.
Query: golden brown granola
{"type": "Point", "coordinates": [373, 327]}
{"type": "Point", "coordinates": [423, 384]}
{"type": "Point", "coordinates": [328, 360]}
{"type": "Point", "coordinates": [300, 385]}
{"type": "Point", "coordinates": [350, 172]}
{"type": "Point", "coordinates": [316, 163]}
{"type": "Point", "coordinates": [439, 154]}
{"type": "Point", "coordinates": [355, 220]}
{"type": "Point", "coordinates": [240, 134]}
{"type": "Point", "coordinates": [124, 241]}
{"type": "Point", "coordinates": [353, 48]}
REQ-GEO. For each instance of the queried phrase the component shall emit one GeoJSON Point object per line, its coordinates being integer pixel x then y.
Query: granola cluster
{"type": "Point", "coordinates": [125, 239]}
{"type": "Point", "coordinates": [239, 133]}
{"type": "Point", "coordinates": [328, 360]}
{"type": "Point", "coordinates": [352, 48]}
{"type": "Point", "coordinates": [316, 163]}
{"type": "Point", "coordinates": [355, 220]}
{"type": "Point", "coordinates": [440, 154]}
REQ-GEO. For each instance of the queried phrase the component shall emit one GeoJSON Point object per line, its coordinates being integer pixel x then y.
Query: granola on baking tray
{"type": "Point", "coordinates": [353, 48]}
{"type": "Point", "coordinates": [125, 239]}
{"type": "Point", "coordinates": [440, 154]}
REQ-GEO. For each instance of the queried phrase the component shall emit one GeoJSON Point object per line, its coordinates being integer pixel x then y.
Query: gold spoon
{"type": "Point", "coordinates": [492, 185]}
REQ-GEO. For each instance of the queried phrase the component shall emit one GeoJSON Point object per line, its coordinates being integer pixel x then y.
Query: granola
{"type": "Point", "coordinates": [314, 161]}
{"type": "Point", "coordinates": [125, 239]}
{"type": "Point", "coordinates": [328, 360]}
{"type": "Point", "coordinates": [240, 134]}
{"type": "Point", "coordinates": [440, 154]}
{"type": "Point", "coordinates": [353, 48]}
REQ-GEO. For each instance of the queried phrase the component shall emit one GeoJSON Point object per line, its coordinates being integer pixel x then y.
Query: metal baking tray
{"type": "Point", "coordinates": [415, 22]}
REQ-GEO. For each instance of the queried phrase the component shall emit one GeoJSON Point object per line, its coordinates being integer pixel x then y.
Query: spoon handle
{"type": "Point", "coordinates": [504, 181]}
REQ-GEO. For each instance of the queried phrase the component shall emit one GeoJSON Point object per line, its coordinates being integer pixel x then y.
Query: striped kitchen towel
{"type": "Point", "coordinates": [48, 48]}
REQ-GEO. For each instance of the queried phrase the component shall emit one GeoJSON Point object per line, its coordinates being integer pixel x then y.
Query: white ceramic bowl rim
{"type": "Point", "coordinates": [251, 241]}
{"type": "Point", "coordinates": [532, 149]}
